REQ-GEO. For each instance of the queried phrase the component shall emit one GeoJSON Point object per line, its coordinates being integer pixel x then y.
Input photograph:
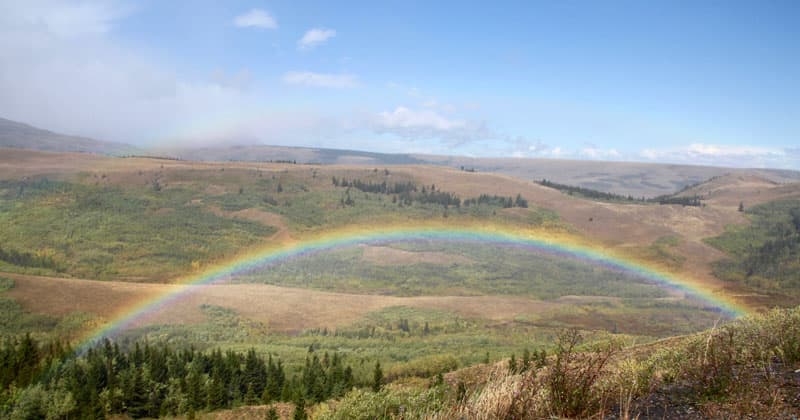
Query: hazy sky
{"type": "Point", "coordinates": [694, 82]}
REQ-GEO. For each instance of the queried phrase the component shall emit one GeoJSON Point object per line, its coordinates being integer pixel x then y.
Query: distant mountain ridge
{"type": "Point", "coordinates": [263, 153]}
{"type": "Point", "coordinates": [627, 178]}
{"type": "Point", "coordinates": [637, 179]}
{"type": "Point", "coordinates": [23, 136]}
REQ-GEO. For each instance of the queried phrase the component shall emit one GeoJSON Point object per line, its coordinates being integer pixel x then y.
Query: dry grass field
{"type": "Point", "coordinates": [625, 228]}
{"type": "Point", "coordinates": [614, 225]}
{"type": "Point", "coordinates": [749, 189]}
{"type": "Point", "coordinates": [634, 178]}
{"type": "Point", "coordinates": [281, 309]}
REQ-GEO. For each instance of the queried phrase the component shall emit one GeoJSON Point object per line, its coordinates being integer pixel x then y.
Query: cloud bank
{"type": "Point", "coordinates": [725, 155]}
{"type": "Point", "coordinates": [61, 70]}
{"type": "Point", "coordinates": [429, 124]}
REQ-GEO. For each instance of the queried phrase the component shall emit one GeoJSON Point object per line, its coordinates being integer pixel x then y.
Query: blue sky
{"type": "Point", "coordinates": [706, 82]}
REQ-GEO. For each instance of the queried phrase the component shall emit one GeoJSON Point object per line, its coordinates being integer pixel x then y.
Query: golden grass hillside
{"type": "Point", "coordinates": [746, 369]}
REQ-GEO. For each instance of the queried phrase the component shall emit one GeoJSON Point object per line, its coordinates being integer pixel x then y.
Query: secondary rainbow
{"type": "Point", "coordinates": [537, 241]}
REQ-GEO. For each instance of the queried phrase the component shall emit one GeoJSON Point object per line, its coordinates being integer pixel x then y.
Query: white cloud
{"type": "Point", "coordinates": [315, 37]}
{"type": "Point", "coordinates": [521, 147]}
{"type": "Point", "coordinates": [538, 147]}
{"type": "Point", "coordinates": [427, 123]}
{"type": "Point", "coordinates": [307, 78]}
{"type": "Point", "coordinates": [724, 155]}
{"type": "Point", "coordinates": [68, 74]}
{"type": "Point", "coordinates": [592, 152]}
{"type": "Point", "coordinates": [404, 118]}
{"type": "Point", "coordinates": [256, 18]}
{"type": "Point", "coordinates": [75, 77]}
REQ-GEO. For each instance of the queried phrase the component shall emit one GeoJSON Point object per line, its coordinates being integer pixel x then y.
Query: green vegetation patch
{"type": "Point", "coordinates": [110, 232]}
{"type": "Point", "coordinates": [608, 197]}
{"type": "Point", "coordinates": [6, 284]}
{"type": "Point", "coordinates": [764, 255]}
{"type": "Point", "coordinates": [494, 270]}
{"type": "Point", "coordinates": [662, 251]}
{"type": "Point", "coordinates": [222, 325]}
{"type": "Point", "coordinates": [314, 203]}
{"type": "Point", "coordinates": [647, 317]}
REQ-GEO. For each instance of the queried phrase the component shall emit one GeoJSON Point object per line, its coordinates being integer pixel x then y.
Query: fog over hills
{"type": "Point", "coordinates": [629, 178]}
{"type": "Point", "coordinates": [23, 136]}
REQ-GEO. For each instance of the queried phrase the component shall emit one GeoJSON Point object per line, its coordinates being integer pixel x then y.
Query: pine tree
{"type": "Point", "coordinates": [255, 373]}
{"type": "Point", "coordinates": [250, 396]}
{"type": "Point", "coordinates": [314, 380]}
{"type": "Point", "coordinates": [377, 377]}
{"type": "Point", "coordinates": [27, 360]}
{"type": "Point", "coordinates": [136, 394]}
{"type": "Point", "coordinates": [217, 395]}
{"type": "Point", "coordinates": [275, 379]}
{"type": "Point", "coordinates": [194, 390]}
{"type": "Point", "coordinates": [347, 379]}
{"type": "Point", "coordinates": [272, 414]}
{"type": "Point", "coordinates": [300, 410]}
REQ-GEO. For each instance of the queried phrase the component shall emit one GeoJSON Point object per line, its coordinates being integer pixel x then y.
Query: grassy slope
{"type": "Point", "coordinates": [493, 270]}
{"type": "Point", "coordinates": [14, 320]}
{"type": "Point", "coordinates": [764, 255]}
{"type": "Point", "coordinates": [743, 370]}
{"type": "Point", "coordinates": [464, 340]}
{"type": "Point", "coordinates": [106, 232]}
{"type": "Point", "coordinates": [103, 224]}
{"type": "Point", "coordinates": [103, 229]}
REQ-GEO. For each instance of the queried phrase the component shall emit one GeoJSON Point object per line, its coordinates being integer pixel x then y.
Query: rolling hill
{"type": "Point", "coordinates": [277, 261]}
{"type": "Point", "coordinates": [19, 135]}
{"type": "Point", "coordinates": [626, 178]}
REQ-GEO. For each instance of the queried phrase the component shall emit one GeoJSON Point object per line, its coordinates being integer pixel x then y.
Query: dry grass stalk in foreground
{"type": "Point", "coordinates": [746, 369]}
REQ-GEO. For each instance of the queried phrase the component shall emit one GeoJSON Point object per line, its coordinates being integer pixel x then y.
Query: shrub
{"type": "Point", "coordinates": [573, 377]}
{"type": "Point", "coordinates": [389, 402]}
{"type": "Point", "coordinates": [424, 367]}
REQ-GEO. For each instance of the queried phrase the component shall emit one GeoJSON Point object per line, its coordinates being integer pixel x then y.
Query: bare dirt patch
{"type": "Point", "coordinates": [259, 216]}
{"type": "Point", "coordinates": [282, 309]}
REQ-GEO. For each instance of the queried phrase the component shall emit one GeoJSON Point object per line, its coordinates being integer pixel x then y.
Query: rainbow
{"type": "Point", "coordinates": [552, 243]}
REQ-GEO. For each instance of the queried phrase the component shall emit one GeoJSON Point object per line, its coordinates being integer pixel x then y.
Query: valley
{"type": "Point", "coordinates": [398, 264]}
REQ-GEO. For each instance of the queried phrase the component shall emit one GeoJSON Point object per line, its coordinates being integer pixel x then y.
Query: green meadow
{"type": "Point", "coordinates": [465, 269]}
